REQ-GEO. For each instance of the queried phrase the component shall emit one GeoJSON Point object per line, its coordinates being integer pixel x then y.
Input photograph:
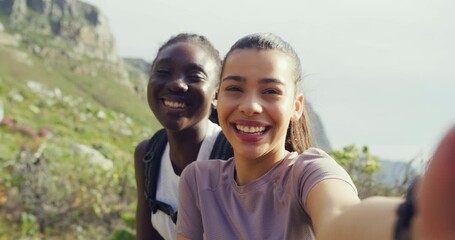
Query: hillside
{"type": "Point", "coordinates": [71, 49]}
{"type": "Point", "coordinates": [73, 112]}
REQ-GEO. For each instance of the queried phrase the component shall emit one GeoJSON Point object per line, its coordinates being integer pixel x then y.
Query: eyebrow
{"type": "Point", "coordinates": [243, 79]}
{"type": "Point", "coordinates": [198, 67]}
{"type": "Point", "coordinates": [191, 66]}
{"type": "Point", "coordinates": [234, 78]}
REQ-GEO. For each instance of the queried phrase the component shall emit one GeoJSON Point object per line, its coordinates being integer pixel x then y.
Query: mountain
{"type": "Point", "coordinates": [319, 135]}
{"type": "Point", "coordinates": [68, 44]}
{"type": "Point", "coordinates": [395, 173]}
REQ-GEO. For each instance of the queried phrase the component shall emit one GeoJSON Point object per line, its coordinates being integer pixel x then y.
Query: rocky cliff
{"type": "Point", "coordinates": [320, 138]}
{"type": "Point", "coordinates": [72, 22]}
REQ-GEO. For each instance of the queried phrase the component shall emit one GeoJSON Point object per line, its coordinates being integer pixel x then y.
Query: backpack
{"type": "Point", "coordinates": [152, 162]}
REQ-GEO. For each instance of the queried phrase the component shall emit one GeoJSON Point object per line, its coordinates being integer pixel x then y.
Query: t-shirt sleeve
{"type": "Point", "coordinates": [189, 221]}
{"type": "Point", "coordinates": [316, 166]}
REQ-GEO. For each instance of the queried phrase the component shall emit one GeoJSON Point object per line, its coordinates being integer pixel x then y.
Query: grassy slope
{"type": "Point", "coordinates": [127, 118]}
{"type": "Point", "coordinates": [100, 92]}
{"type": "Point", "coordinates": [101, 89]}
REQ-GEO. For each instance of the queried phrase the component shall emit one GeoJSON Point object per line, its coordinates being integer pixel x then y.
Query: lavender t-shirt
{"type": "Point", "coordinates": [213, 206]}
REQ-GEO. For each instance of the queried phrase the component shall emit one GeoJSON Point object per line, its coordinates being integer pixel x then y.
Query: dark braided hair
{"type": "Point", "coordinates": [298, 137]}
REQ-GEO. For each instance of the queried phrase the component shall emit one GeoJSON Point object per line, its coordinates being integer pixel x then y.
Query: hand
{"type": "Point", "coordinates": [435, 198]}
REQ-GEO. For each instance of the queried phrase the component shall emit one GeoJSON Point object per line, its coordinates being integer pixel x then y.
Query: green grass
{"type": "Point", "coordinates": [128, 120]}
{"type": "Point", "coordinates": [102, 89]}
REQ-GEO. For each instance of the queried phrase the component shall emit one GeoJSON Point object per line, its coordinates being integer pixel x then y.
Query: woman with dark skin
{"type": "Point", "coordinates": [181, 89]}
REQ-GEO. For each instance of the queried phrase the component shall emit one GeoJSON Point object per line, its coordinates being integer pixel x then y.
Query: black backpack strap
{"type": "Point", "coordinates": [152, 160]}
{"type": "Point", "coordinates": [166, 208]}
{"type": "Point", "coordinates": [152, 163]}
{"type": "Point", "coordinates": [222, 149]}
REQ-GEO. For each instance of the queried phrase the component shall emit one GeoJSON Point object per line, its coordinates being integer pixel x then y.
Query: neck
{"type": "Point", "coordinates": [249, 169]}
{"type": "Point", "coordinates": [184, 145]}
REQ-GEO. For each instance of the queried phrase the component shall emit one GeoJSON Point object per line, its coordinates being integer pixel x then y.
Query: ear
{"type": "Point", "coordinates": [298, 108]}
{"type": "Point", "coordinates": [215, 98]}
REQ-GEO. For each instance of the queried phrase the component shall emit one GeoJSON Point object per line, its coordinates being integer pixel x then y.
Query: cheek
{"type": "Point", "coordinates": [205, 90]}
{"type": "Point", "coordinates": [283, 115]}
{"type": "Point", "coordinates": [150, 93]}
{"type": "Point", "coordinates": [223, 106]}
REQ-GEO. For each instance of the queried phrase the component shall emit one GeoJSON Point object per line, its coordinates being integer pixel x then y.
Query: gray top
{"type": "Point", "coordinates": [213, 206]}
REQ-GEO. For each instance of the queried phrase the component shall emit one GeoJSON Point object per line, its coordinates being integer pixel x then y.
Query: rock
{"type": "Point", "coordinates": [139, 64]}
{"type": "Point", "coordinates": [17, 11]}
{"type": "Point", "coordinates": [34, 109]}
{"type": "Point", "coordinates": [8, 39]}
{"type": "Point", "coordinates": [93, 156]}
{"type": "Point", "coordinates": [74, 21]}
{"type": "Point", "coordinates": [16, 96]}
{"type": "Point", "coordinates": [320, 138]}
{"type": "Point", "coordinates": [101, 115]}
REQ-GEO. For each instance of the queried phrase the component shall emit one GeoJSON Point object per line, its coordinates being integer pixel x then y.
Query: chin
{"type": "Point", "coordinates": [250, 153]}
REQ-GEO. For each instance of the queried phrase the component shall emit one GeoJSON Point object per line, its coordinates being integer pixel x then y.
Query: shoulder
{"type": "Point", "coordinates": [316, 158]}
{"type": "Point", "coordinates": [140, 151]}
{"type": "Point", "coordinates": [313, 152]}
{"type": "Point", "coordinates": [142, 147]}
{"type": "Point", "coordinates": [315, 165]}
{"type": "Point", "coordinates": [157, 141]}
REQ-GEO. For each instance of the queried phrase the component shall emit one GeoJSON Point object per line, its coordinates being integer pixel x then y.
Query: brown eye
{"type": "Point", "coordinates": [271, 91]}
{"type": "Point", "coordinates": [233, 89]}
{"type": "Point", "coordinates": [162, 72]}
{"type": "Point", "coordinates": [196, 77]}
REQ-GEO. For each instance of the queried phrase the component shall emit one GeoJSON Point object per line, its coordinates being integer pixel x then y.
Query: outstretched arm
{"type": "Point", "coordinates": [335, 216]}
{"type": "Point", "coordinates": [144, 229]}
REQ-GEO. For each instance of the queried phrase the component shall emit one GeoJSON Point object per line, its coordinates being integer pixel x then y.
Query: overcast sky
{"type": "Point", "coordinates": [379, 73]}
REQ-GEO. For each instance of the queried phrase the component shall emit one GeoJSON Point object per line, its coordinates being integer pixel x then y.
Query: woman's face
{"type": "Point", "coordinates": [181, 85]}
{"type": "Point", "coordinates": [256, 102]}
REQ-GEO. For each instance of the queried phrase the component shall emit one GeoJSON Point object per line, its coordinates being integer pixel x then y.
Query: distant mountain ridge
{"type": "Point", "coordinates": [395, 173]}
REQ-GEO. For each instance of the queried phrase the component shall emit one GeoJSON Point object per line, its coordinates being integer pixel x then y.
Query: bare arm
{"type": "Point", "coordinates": [373, 218]}
{"type": "Point", "coordinates": [326, 201]}
{"type": "Point", "coordinates": [335, 217]}
{"type": "Point", "coordinates": [144, 228]}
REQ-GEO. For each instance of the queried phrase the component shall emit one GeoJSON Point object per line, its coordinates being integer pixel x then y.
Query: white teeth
{"type": "Point", "coordinates": [173, 104]}
{"type": "Point", "coordinates": [250, 129]}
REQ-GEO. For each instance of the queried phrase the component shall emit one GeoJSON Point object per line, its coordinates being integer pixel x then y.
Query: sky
{"type": "Point", "coordinates": [378, 73]}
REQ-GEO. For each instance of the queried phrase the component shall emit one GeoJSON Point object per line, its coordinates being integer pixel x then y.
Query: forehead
{"type": "Point", "coordinates": [259, 64]}
{"type": "Point", "coordinates": [186, 53]}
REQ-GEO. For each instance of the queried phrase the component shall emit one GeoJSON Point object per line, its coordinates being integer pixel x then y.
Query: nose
{"type": "Point", "coordinates": [250, 105]}
{"type": "Point", "coordinates": [178, 84]}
